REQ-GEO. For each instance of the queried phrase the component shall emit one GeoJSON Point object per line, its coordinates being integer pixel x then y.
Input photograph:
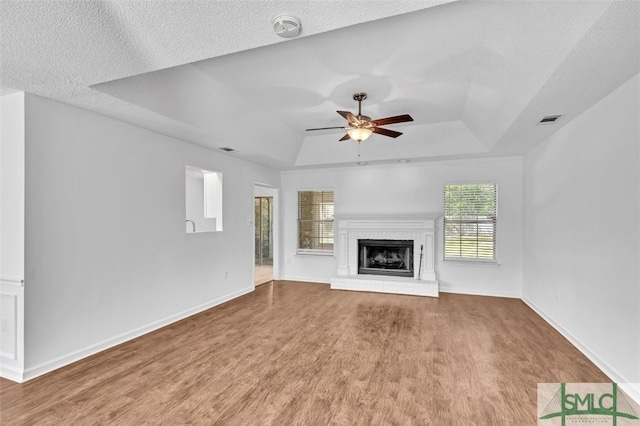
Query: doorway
{"type": "Point", "coordinates": [264, 230]}
{"type": "Point", "coordinates": [264, 234]}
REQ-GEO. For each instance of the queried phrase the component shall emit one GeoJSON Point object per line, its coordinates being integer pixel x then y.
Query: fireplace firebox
{"type": "Point", "coordinates": [385, 257]}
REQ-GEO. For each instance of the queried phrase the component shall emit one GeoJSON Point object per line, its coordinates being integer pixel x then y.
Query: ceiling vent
{"type": "Point", "coordinates": [287, 26]}
{"type": "Point", "coordinates": [549, 119]}
{"type": "Point", "coordinates": [227, 149]}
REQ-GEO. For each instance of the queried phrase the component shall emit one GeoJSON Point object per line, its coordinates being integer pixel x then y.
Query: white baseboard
{"type": "Point", "coordinates": [54, 364]}
{"type": "Point", "coordinates": [631, 389]}
{"type": "Point", "coordinates": [306, 280]}
{"type": "Point", "coordinates": [12, 373]}
{"type": "Point", "coordinates": [474, 292]}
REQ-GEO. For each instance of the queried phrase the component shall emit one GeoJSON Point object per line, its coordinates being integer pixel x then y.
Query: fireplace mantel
{"type": "Point", "coordinates": [419, 228]}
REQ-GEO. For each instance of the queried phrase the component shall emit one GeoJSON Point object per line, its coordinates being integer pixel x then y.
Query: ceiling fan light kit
{"type": "Point", "coordinates": [359, 133]}
{"type": "Point", "coordinates": [360, 127]}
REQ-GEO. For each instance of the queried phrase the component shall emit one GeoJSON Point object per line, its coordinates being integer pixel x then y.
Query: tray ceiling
{"type": "Point", "coordinates": [476, 76]}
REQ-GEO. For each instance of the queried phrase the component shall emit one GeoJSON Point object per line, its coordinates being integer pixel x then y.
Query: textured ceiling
{"type": "Point", "coordinates": [475, 75]}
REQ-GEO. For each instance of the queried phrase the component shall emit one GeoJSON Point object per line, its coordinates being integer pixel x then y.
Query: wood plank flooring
{"type": "Point", "coordinates": [302, 354]}
{"type": "Point", "coordinates": [263, 274]}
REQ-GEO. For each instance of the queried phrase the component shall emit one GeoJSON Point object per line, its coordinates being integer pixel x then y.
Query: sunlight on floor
{"type": "Point", "coordinates": [264, 274]}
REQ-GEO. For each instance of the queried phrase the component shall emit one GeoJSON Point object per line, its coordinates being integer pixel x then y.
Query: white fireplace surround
{"type": "Point", "coordinates": [419, 228]}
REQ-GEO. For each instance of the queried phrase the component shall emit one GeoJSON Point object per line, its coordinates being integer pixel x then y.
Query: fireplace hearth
{"type": "Point", "coordinates": [386, 257]}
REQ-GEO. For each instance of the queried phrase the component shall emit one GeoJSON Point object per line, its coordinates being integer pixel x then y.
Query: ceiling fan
{"type": "Point", "coordinates": [360, 127]}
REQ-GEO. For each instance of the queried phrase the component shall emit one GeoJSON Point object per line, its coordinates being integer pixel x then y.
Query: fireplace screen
{"type": "Point", "coordinates": [386, 257]}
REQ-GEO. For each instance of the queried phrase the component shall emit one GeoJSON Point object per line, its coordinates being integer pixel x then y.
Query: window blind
{"type": "Point", "coordinates": [470, 218]}
{"type": "Point", "coordinates": [315, 221]}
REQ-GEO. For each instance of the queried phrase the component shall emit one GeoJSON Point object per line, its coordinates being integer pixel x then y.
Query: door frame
{"type": "Point", "coordinates": [268, 190]}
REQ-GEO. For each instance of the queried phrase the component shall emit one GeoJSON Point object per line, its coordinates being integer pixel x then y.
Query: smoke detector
{"type": "Point", "coordinates": [287, 26]}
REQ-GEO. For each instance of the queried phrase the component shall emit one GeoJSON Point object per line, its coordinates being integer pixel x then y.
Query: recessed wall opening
{"type": "Point", "coordinates": [203, 200]}
{"type": "Point", "coordinates": [386, 257]}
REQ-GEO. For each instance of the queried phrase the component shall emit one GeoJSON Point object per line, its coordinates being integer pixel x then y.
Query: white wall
{"type": "Point", "coordinates": [107, 256]}
{"type": "Point", "coordinates": [12, 178]}
{"type": "Point", "coordinates": [582, 232]}
{"type": "Point", "coordinates": [194, 200]}
{"type": "Point", "coordinates": [263, 191]}
{"type": "Point", "coordinates": [12, 186]}
{"type": "Point", "coordinates": [213, 198]}
{"type": "Point", "coordinates": [415, 188]}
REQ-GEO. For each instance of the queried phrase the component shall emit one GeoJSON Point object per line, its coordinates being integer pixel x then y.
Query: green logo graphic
{"type": "Point", "coordinates": [589, 403]}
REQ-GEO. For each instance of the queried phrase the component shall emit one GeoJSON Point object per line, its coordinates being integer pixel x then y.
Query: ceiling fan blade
{"type": "Point", "coordinates": [325, 128]}
{"type": "Point", "coordinates": [345, 137]}
{"type": "Point", "coordinates": [392, 120]}
{"type": "Point", "coordinates": [349, 117]}
{"type": "Point", "coordinates": [386, 132]}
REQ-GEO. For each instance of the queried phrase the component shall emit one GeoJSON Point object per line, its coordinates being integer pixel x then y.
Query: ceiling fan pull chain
{"type": "Point", "coordinates": [358, 162]}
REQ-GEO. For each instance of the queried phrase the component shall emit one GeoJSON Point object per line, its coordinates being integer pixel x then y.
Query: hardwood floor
{"type": "Point", "coordinates": [295, 353]}
{"type": "Point", "coordinates": [263, 274]}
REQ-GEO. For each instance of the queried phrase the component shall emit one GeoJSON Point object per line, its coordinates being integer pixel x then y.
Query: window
{"type": "Point", "coordinates": [470, 222]}
{"type": "Point", "coordinates": [315, 222]}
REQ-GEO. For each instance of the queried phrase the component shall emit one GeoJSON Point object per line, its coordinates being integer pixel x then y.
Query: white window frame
{"type": "Point", "coordinates": [493, 220]}
{"type": "Point", "coordinates": [310, 251]}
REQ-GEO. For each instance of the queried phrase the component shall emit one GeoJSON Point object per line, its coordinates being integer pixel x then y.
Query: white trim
{"type": "Point", "coordinates": [309, 252]}
{"type": "Point", "coordinates": [418, 228]}
{"type": "Point", "coordinates": [43, 368]}
{"type": "Point", "coordinates": [473, 260]}
{"type": "Point", "coordinates": [9, 372]}
{"type": "Point", "coordinates": [13, 299]}
{"type": "Point", "coordinates": [306, 280]}
{"type": "Point", "coordinates": [632, 389]}
{"type": "Point", "coordinates": [402, 221]}
{"type": "Point", "coordinates": [313, 252]}
{"type": "Point", "coordinates": [264, 185]}
{"type": "Point", "coordinates": [414, 163]}
{"type": "Point", "coordinates": [476, 292]}
{"type": "Point", "coordinates": [12, 281]}
{"type": "Point", "coordinates": [471, 263]}
{"type": "Point", "coordinates": [275, 225]}
{"type": "Point", "coordinates": [12, 364]}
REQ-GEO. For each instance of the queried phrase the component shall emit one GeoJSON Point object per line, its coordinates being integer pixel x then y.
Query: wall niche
{"type": "Point", "coordinates": [203, 200]}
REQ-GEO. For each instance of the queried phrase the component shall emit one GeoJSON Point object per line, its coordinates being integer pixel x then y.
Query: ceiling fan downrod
{"type": "Point", "coordinates": [359, 97]}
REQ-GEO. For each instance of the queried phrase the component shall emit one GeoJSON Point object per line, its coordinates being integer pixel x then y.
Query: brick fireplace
{"type": "Point", "coordinates": [392, 263]}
